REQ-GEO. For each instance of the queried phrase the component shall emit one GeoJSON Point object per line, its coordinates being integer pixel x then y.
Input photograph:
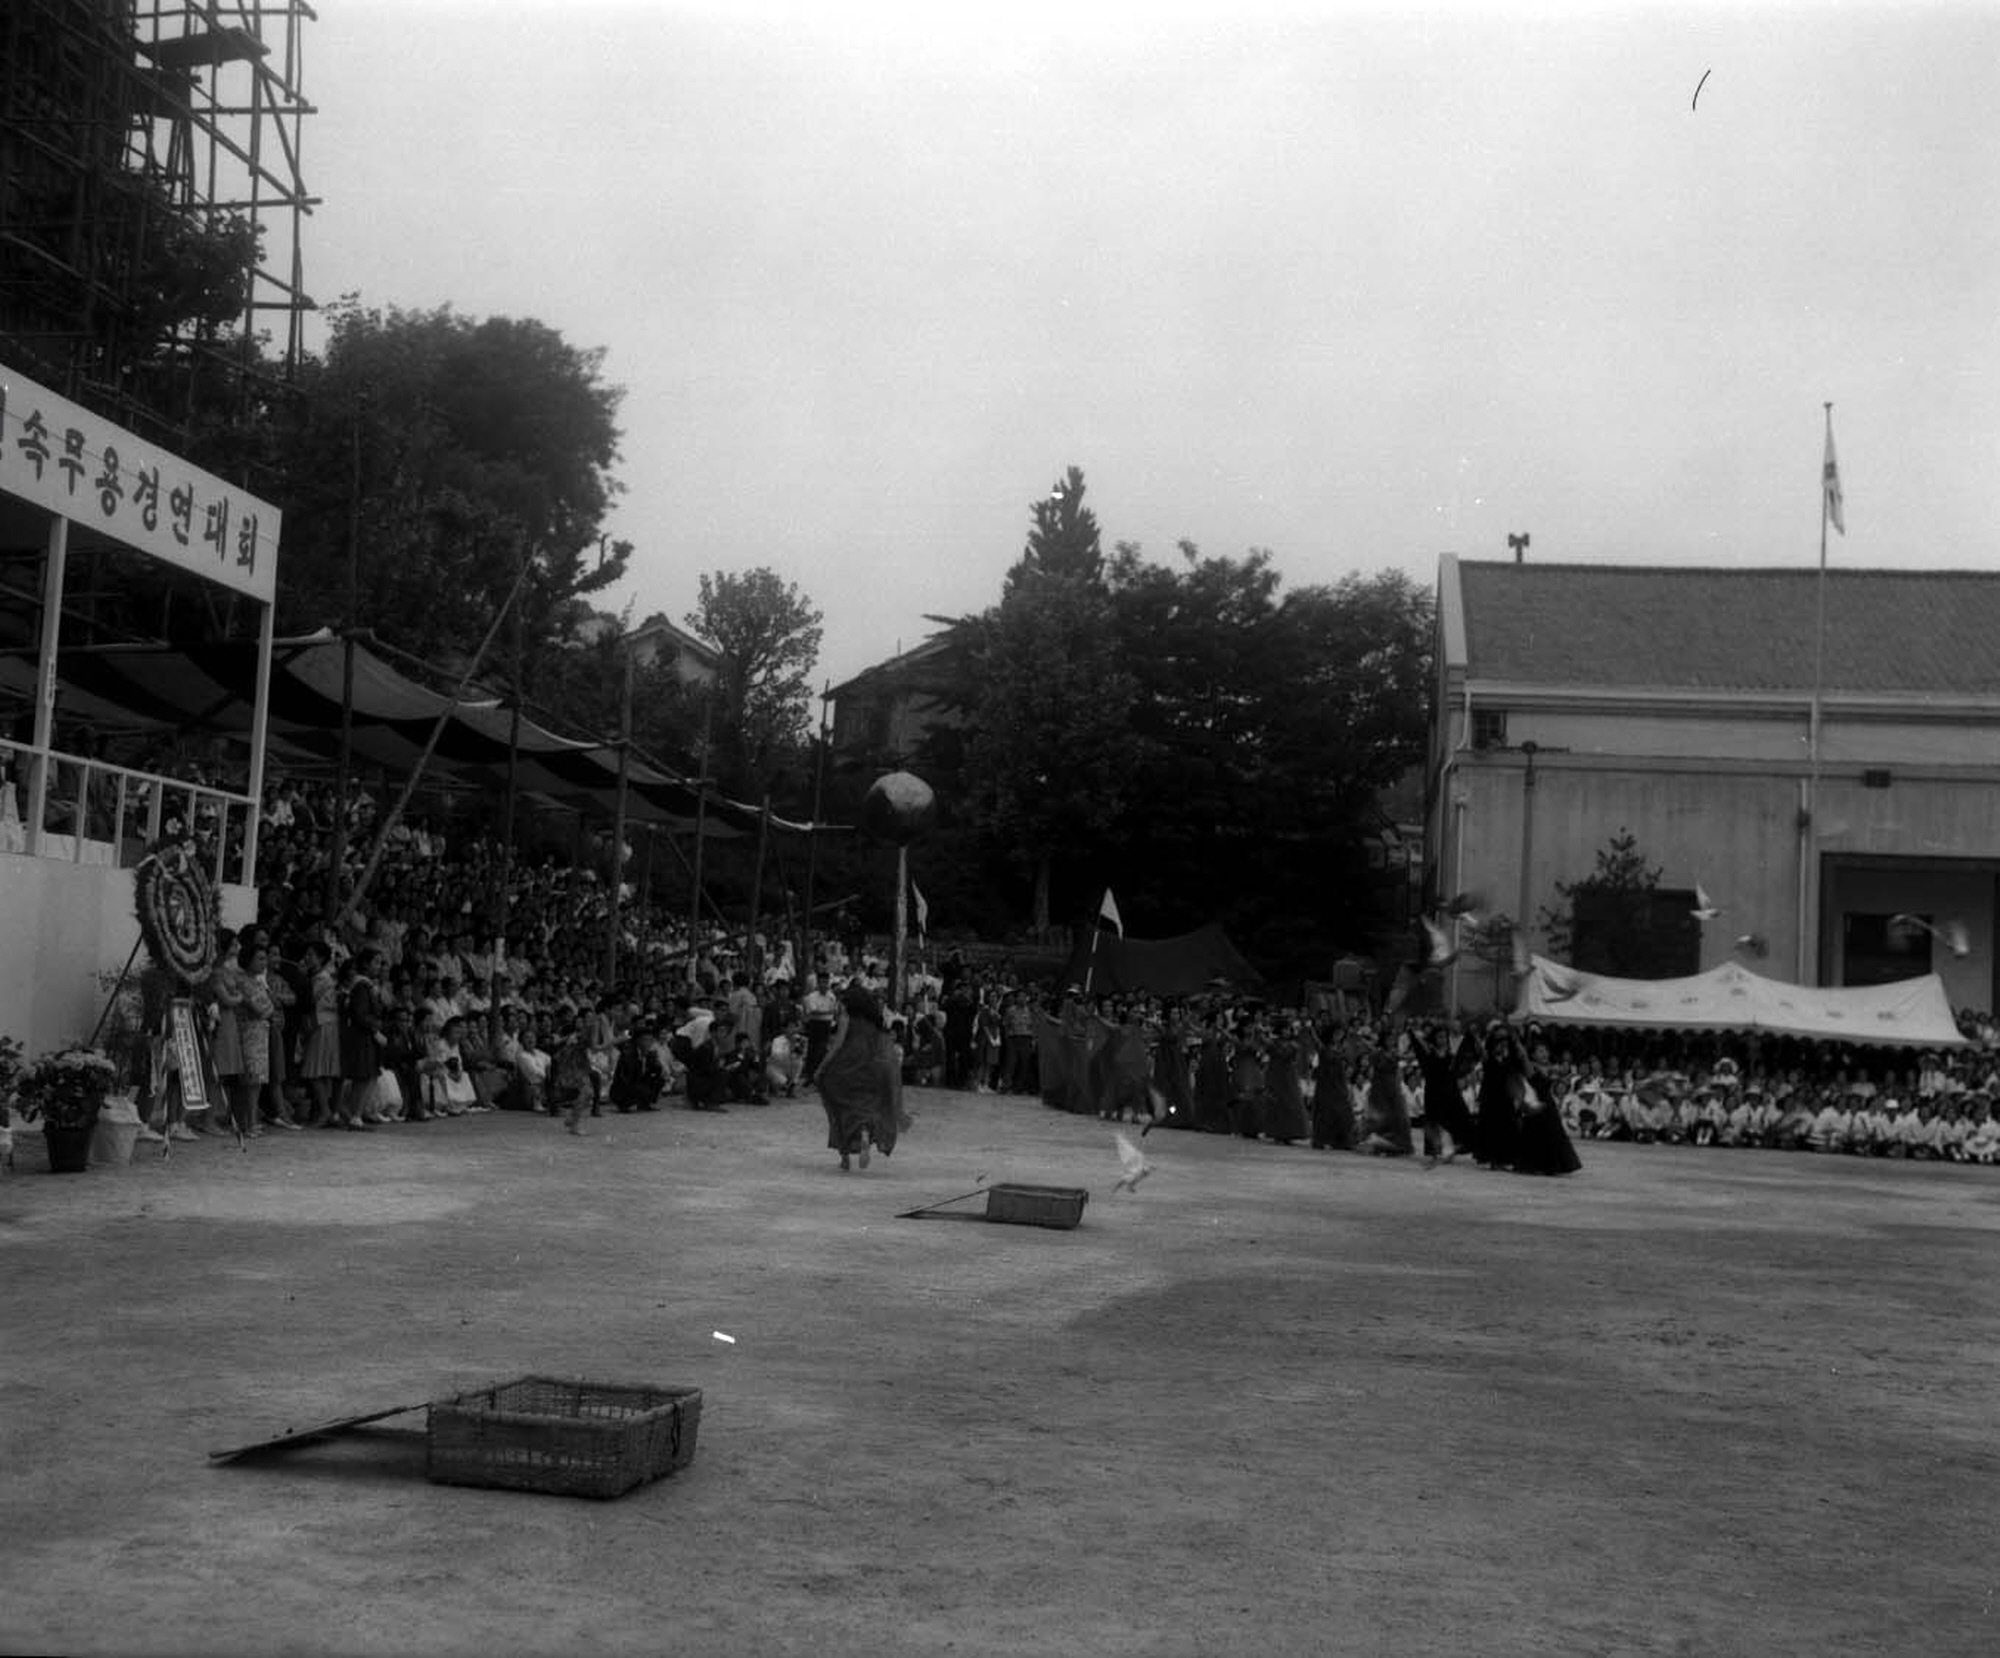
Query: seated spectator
{"type": "Point", "coordinates": [1923, 1133]}
{"type": "Point", "coordinates": [1648, 1114]}
{"type": "Point", "coordinates": [531, 1073]}
{"type": "Point", "coordinates": [446, 1085]}
{"type": "Point", "coordinates": [1832, 1126]}
{"type": "Point", "coordinates": [637, 1079]}
{"type": "Point", "coordinates": [1982, 1134]}
{"type": "Point", "coordinates": [743, 1072]}
{"type": "Point", "coordinates": [482, 1063]}
{"type": "Point", "coordinates": [1952, 1129]}
{"type": "Point", "coordinates": [1793, 1131]}
{"type": "Point", "coordinates": [695, 1048]}
{"type": "Point", "coordinates": [783, 1060]}
{"type": "Point", "coordinates": [1743, 1125]}
{"type": "Point", "coordinates": [402, 1054]}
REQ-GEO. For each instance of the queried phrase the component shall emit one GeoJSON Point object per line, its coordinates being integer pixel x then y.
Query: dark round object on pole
{"type": "Point", "coordinates": [898, 808]}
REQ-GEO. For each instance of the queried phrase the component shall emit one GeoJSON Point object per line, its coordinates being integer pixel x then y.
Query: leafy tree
{"type": "Point", "coordinates": [452, 450]}
{"type": "Point", "coordinates": [1267, 728]}
{"type": "Point", "coordinates": [1616, 920]}
{"type": "Point", "coordinates": [1212, 747]}
{"type": "Point", "coordinates": [1049, 759]}
{"type": "Point", "coordinates": [768, 633]}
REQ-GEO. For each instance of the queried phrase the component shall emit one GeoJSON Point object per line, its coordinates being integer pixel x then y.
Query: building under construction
{"type": "Point", "coordinates": [151, 203]}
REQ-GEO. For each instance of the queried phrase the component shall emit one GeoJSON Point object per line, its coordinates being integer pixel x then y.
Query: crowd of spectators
{"type": "Point", "coordinates": [1231, 1064]}
{"type": "Point", "coordinates": [463, 981]}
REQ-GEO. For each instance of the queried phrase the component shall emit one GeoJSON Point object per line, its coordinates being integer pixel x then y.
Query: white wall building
{"type": "Point", "coordinates": [1575, 701]}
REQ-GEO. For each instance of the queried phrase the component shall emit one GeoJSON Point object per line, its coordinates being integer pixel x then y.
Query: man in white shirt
{"type": "Point", "coordinates": [747, 1011]}
{"type": "Point", "coordinates": [821, 1011]}
{"type": "Point", "coordinates": [1882, 1131]}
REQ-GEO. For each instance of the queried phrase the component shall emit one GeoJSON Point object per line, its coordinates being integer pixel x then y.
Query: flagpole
{"type": "Point", "coordinates": [1809, 847]}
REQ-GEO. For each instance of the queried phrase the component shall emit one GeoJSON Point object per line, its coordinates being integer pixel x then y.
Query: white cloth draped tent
{"type": "Point", "coordinates": [1909, 1013]}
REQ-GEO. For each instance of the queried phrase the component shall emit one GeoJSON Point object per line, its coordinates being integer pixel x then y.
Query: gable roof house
{"type": "Point", "coordinates": [884, 713]}
{"type": "Point", "coordinates": [1819, 755]}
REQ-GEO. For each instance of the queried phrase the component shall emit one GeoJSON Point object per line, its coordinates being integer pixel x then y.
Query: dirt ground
{"type": "Point", "coordinates": [1276, 1401]}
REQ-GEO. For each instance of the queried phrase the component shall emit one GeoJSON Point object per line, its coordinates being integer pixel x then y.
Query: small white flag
{"type": "Point", "coordinates": [1108, 912]}
{"type": "Point", "coordinates": [1833, 511]}
{"type": "Point", "coordinates": [923, 909]}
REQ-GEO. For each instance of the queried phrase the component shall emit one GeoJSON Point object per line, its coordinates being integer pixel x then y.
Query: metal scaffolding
{"type": "Point", "coordinates": [151, 202]}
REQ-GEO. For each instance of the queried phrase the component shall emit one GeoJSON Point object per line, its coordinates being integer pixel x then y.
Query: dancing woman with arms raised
{"type": "Point", "coordinates": [860, 1081]}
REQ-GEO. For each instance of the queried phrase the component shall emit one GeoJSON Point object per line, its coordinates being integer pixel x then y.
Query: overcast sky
{"type": "Point", "coordinates": [1357, 286]}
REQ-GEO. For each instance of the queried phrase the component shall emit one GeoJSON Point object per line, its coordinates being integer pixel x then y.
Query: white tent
{"type": "Point", "coordinates": [1910, 1013]}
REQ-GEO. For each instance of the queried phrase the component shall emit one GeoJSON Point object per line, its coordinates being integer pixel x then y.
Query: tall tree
{"type": "Point", "coordinates": [768, 633]}
{"type": "Point", "coordinates": [1266, 727]}
{"type": "Point", "coordinates": [1050, 754]}
{"type": "Point", "coordinates": [1062, 537]}
{"type": "Point", "coordinates": [451, 450]}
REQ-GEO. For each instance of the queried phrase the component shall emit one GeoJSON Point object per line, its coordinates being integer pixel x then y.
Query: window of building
{"type": "Point", "coordinates": [1489, 728]}
{"type": "Point", "coordinates": [1636, 935]}
{"type": "Point", "coordinates": [1881, 949]}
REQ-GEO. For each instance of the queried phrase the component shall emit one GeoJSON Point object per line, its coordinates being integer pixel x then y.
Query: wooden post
{"type": "Point", "coordinates": [902, 925]}
{"type": "Point", "coordinates": [618, 825]}
{"type": "Point", "coordinates": [53, 571]}
{"type": "Point", "coordinates": [260, 736]}
{"type": "Point", "coordinates": [750, 956]}
{"type": "Point", "coordinates": [700, 834]}
{"type": "Point", "coordinates": [812, 840]}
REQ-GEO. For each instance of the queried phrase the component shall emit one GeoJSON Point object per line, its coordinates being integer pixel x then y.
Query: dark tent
{"type": "Point", "coordinates": [1183, 966]}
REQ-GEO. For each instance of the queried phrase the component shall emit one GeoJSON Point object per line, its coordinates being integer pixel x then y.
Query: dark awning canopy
{"type": "Point", "coordinates": [211, 689]}
{"type": "Point", "coordinates": [1202, 960]}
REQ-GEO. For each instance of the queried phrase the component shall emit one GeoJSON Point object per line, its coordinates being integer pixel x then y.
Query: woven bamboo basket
{"type": "Point", "coordinates": [1060, 1207]}
{"type": "Point", "coordinates": [571, 1438]}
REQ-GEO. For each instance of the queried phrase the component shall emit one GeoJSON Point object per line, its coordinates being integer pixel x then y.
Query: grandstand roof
{"type": "Point", "coordinates": [212, 687]}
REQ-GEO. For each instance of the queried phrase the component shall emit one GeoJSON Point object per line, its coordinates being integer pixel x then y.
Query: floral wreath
{"type": "Point", "coordinates": [177, 907]}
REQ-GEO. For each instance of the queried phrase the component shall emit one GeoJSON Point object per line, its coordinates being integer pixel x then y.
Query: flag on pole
{"type": "Point", "coordinates": [1107, 913]}
{"type": "Point", "coordinates": [1832, 484]}
{"type": "Point", "coordinates": [923, 909]}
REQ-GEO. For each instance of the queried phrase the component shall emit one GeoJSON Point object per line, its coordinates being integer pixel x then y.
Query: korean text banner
{"type": "Point", "coordinates": [69, 461]}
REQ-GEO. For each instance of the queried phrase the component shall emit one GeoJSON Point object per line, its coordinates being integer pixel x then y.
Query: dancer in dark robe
{"type": "Point", "coordinates": [1120, 1071]}
{"type": "Point", "coordinates": [1284, 1095]}
{"type": "Point", "coordinates": [1333, 1105]}
{"type": "Point", "coordinates": [860, 1082]}
{"type": "Point", "coordinates": [1444, 1106]}
{"type": "Point", "coordinates": [1541, 1143]}
{"type": "Point", "coordinates": [1501, 1059]}
{"type": "Point", "coordinates": [1211, 1081]}
{"type": "Point", "coordinates": [1246, 1081]}
{"type": "Point", "coordinates": [1172, 1077]}
{"type": "Point", "coordinates": [1069, 1047]}
{"type": "Point", "coordinates": [1385, 1131]}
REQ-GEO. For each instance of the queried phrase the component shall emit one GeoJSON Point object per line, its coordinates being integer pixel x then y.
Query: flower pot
{"type": "Point", "coordinates": [117, 1131]}
{"type": "Point", "coordinates": [69, 1149]}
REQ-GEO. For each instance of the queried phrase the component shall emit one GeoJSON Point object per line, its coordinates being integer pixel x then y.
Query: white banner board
{"type": "Point", "coordinates": [61, 457]}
